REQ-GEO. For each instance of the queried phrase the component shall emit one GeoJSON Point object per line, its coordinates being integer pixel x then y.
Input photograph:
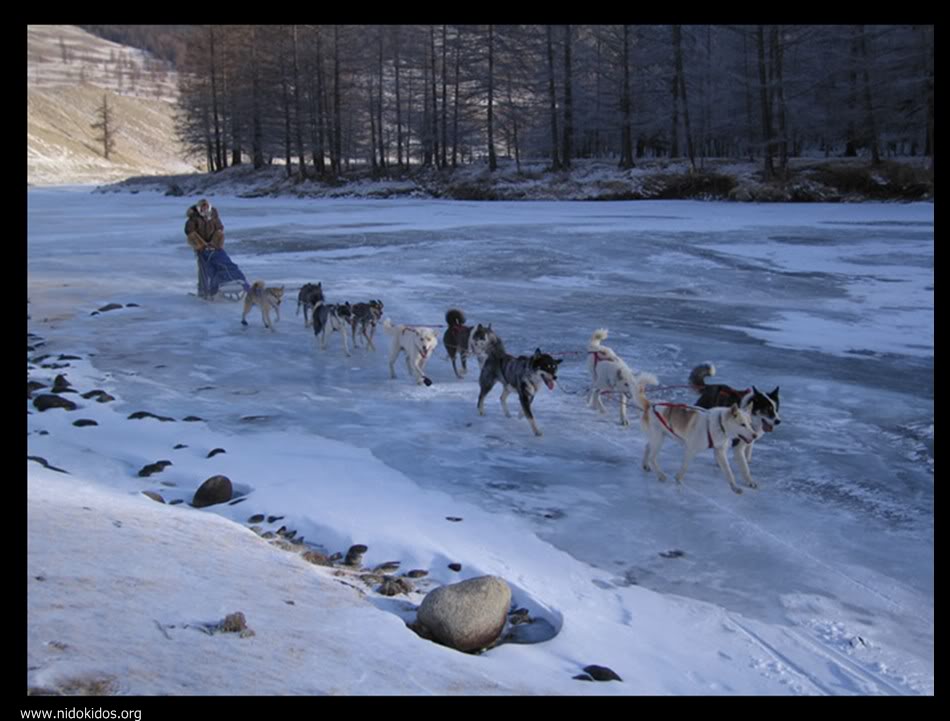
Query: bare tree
{"type": "Point", "coordinates": [106, 127]}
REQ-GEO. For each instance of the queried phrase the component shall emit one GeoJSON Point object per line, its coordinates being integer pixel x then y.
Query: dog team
{"type": "Point", "coordinates": [722, 416]}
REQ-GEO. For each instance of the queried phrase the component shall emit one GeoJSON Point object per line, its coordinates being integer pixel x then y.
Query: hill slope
{"type": "Point", "coordinates": [69, 71]}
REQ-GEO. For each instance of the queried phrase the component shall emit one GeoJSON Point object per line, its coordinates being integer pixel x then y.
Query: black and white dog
{"type": "Point", "coordinates": [456, 339]}
{"type": "Point", "coordinates": [522, 375]}
{"type": "Point", "coordinates": [333, 317]}
{"type": "Point", "coordinates": [366, 316]}
{"type": "Point", "coordinates": [310, 296]}
{"type": "Point", "coordinates": [763, 408]}
{"type": "Point", "coordinates": [480, 340]}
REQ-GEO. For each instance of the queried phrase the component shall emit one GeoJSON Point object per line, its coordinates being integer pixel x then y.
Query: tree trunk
{"type": "Point", "coordinates": [396, 64]}
{"type": "Point", "coordinates": [678, 49]}
{"type": "Point", "coordinates": [455, 111]}
{"type": "Point", "coordinates": [492, 160]}
{"type": "Point", "coordinates": [218, 157]}
{"type": "Point", "coordinates": [777, 57]}
{"type": "Point", "coordinates": [552, 98]}
{"type": "Point", "coordinates": [568, 144]}
{"type": "Point", "coordinates": [769, 169]}
{"type": "Point", "coordinates": [435, 100]}
{"type": "Point", "coordinates": [337, 154]}
{"type": "Point", "coordinates": [870, 120]}
{"type": "Point", "coordinates": [626, 131]}
{"type": "Point", "coordinates": [298, 111]}
{"type": "Point", "coordinates": [445, 92]}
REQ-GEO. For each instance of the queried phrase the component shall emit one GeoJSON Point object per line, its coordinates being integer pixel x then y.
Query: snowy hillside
{"type": "Point", "coordinates": [819, 582]}
{"type": "Point", "coordinates": [69, 71]}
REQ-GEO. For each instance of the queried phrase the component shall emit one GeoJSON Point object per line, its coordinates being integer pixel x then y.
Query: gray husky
{"type": "Point", "coordinates": [310, 296]}
{"type": "Point", "coordinates": [333, 317]}
{"type": "Point", "coordinates": [366, 316]}
{"type": "Point", "coordinates": [523, 375]}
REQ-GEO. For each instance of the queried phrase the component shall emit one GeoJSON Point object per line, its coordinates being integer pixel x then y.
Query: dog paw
{"type": "Point", "coordinates": [427, 382]}
{"type": "Point", "coordinates": [243, 322]}
{"type": "Point", "coordinates": [736, 489]}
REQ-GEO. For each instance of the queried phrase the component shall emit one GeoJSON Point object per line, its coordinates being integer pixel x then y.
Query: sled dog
{"type": "Point", "coordinates": [366, 316]}
{"type": "Point", "coordinates": [266, 298]}
{"type": "Point", "coordinates": [522, 375]}
{"type": "Point", "coordinates": [609, 374]}
{"type": "Point", "coordinates": [331, 317]}
{"type": "Point", "coordinates": [417, 343]}
{"type": "Point", "coordinates": [696, 429]}
{"type": "Point", "coordinates": [456, 339]}
{"type": "Point", "coordinates": [762, 407]}
{"type": "Point", "coordinates": [309, 297]}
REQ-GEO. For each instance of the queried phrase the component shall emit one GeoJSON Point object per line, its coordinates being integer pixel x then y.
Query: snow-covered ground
{"type": "Point", "coordinates": [819, 582]}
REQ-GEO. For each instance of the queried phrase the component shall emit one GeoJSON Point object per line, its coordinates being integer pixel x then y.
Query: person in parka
{"type": "Point", "coordinates": [204, 228]}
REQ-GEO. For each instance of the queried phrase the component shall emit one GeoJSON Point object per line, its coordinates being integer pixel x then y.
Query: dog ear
{"type": "Point", "coordinates": [774, 394]}
{"type": "Point", "coordinates": [734, 410]}
{"type": "Point", "coordinates": [559, 361]}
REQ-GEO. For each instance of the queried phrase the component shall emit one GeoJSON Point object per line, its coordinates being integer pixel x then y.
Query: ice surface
{"type": "Point", "coordinates": [833, 303]}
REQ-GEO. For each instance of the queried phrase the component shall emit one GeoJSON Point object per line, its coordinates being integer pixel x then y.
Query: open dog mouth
{"type": "Point", "coordinates": [549, 382]}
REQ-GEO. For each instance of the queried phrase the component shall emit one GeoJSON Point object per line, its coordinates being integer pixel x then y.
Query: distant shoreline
{"type": "Point", "coordinates": [829, 180]}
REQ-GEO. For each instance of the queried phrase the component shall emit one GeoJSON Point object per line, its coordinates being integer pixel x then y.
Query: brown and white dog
{"type": "Point", "coordinates": [696, 429]}
{"type": "Point", "coordinates": [417, 343]}
{"type": "Point", "coordinates": [266, 298]}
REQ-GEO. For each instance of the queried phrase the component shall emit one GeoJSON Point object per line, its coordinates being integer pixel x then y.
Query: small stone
{"type": "Point", "coordinates": [154, 496]}
{"type": "Point", "coordinates": [602, 673]}
{"type": "Point", "coordinates": [110, 306]}
{"type": "Point", "coordinates": [60, 384]}
{"type": "Point", "coordinates": [192, 419]}
{"type": "Point", "coordinates": [387, 567]}
{"type": "Point", "coordinates": [675, 553]}
{"type": "Point", "coordinates": [417, 573]}
{"type": "Point", "coordinates": [583, 677]}
{"type": "Point", "coordinates": [454, 519]}
{"type": "Point", "coordinates": [179, 446]}
{"type": "Point", "coordinates": [256, 518]}
{"type": "Point", "coordinates": [455, 567]}
{"type": "Point", "coordinates": [85, 422]}
{"type": "Point", "coordinates": [395, 586]}
{"type": "Point", "coordinates": [274, 519]}
{"type": "Point", "coordinates": [234, 623]}
{"type": "Point", "coordinates": [316, 558]}
{"type": "Point", "coordinates": [354, 556]}
{"type": "Point", "coordinates": [47, 401]}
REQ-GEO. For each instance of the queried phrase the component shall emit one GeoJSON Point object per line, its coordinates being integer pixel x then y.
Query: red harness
{"type": "Point", "coordinates": [597, 357]}
{"type": "Point", "coordinates": [668, 427]}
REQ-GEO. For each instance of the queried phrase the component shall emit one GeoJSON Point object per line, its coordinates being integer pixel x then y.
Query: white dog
{"type": "Point", "coordinates": [696, 429]}
{"type": "Point", "coordinates": [418, 344]}
{"type": "Point", "coordinates": [608, 373]}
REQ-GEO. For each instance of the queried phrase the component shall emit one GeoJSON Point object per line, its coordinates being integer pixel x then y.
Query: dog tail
{"type": "Point", "coordinates": [595, 340]}
{"type": "Point", "coordinates": [454, 317]}
{"type": "Point", "coordinates": [258, 285]}
{"type": "Point", "coordinates": [389, 327]}
{"type": "Point", "coordinates": [697, 377]}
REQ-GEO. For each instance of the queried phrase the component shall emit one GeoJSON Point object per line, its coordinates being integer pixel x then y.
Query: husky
{"type": "Point", "coordinates": [264, 297]}
{"type": "Point", "coordinates": [418, 344]}
{"type": "Point", "coordinates": [608, 373]}
{"type": "Point", "coordinates": [523, 375]}
{"type": "Point", "coordinates": [366, 316]}
{"type": "Point", "coordinates": [309, 297]}
{"type": "Point", "coordinates": [696, 428]}
{"type": "Point", "coordinates": [762, 407]}
{"type": "Point", "coordinates": [332, 317]}
{"type": "Point", "coordinates": [456, 339]}
{"type": "Point", "coordinates": [480, 340]}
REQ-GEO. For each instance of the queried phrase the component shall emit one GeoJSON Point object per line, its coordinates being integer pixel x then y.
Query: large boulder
{"type": "Point", "coordinates": [466, 616]}
{"type": "Point", "coordinates": [216, 489]}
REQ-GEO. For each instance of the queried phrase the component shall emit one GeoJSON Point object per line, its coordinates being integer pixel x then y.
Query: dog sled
{"type": "Point", "coordinates": [219, 276]}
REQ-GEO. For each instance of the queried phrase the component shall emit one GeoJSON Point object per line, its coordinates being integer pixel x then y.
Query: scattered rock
{"type": "Point", "coordinates": [582, 677]}
{"type": "Point", "coordinates": [395, 586]}
{"type": "Point", "coordinates": [132, 305]}
{"type": "Point", "coordinates": [63, 357]}
{"type": "Point", "coordinates": [214, 490]}
{"type": "Point", "coordinates": [237, 501]}
{"type": "Point", "coordinates": [154, 496]}
{"type": "Point", "coordinates": [192, 419]}
{"type": "Point", "coordinates": [354, 556]}
{"type": "Point", "coordinates": [100, 395]}
{"type": "Point", "coordinates": [110, 306]}
{"type": "Point", "coordinates": [48, 400]}
{"type": "Point", "coordinates": [675, 553]}
{"type": "Point", "coordinates": [467, 616]}
{"type": "Point", "coordinates": [454, 519]}
{"type": "Point", "coordinates": [85, 422]}
{"type": "Point", "coordinates": [417, 573]}
{"type": "Point", "coordinates": [234, 623]}
{"type": "Point", "coordinates": [455, 567]}
{"type": "Point", "coordinates": [274, 519]}
{"type": "Point", "coordinates": [316, 558]}
{"type": "Point", "coordinates": [601, 673]}
{"type": "Point", "coordinates": [387, 567]}
{"type": "Point", "coordinates": [179, 446]}
{"type": "Point", "coordinates": [60, 384]}
{"type": "Point", "coordinates": [138, 415]}
{"type": "Point", "coordinates": [43, 462]}
{"type": "Point", "coordinates": [175, 502]}
{"type": "Point", "coordinates": [151, 468]}
{"type": "Point", "coordinates": [256, 518]}
{"type": "Point", "coordinates": [214, 452]}
{"type": "Point", "coordinates": [32, 386]}
{"type": "Point", "coordinates": [282, 531]}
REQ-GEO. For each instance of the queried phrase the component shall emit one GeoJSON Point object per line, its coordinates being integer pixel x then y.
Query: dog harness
{"type": "Point", "coordinates": [597, 357]}
{"type": "Point", "coordinates": [668, 427]}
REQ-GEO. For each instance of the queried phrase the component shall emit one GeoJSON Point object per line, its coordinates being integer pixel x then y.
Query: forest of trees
{"type": "Point", "coordinates": [387, 97]}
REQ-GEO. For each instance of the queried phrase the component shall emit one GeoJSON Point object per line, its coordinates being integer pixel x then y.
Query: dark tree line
{"type": "Point", "coordinates": [324, 99]}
